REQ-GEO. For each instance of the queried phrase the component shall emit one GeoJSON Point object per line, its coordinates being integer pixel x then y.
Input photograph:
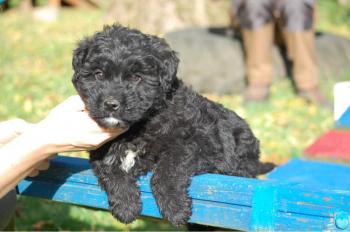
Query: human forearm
{"type": "Point", "coordinates": [19, 157]}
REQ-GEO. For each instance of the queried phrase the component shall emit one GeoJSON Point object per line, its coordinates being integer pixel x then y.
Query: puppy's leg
{"type": "Point", "coordinates": [241, 151]}
{"type": "Point", "coordinates": [251, 168]}
{"type": "Point", "coordinates": [120, 186]}
{"type": "Point", "coordinates": [265, 167]}
{"type": "Point", "coordinates": [170, 181]}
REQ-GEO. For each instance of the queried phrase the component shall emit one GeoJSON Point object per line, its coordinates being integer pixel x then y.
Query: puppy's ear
{"type": "Point", "coordinates": [169, 70]}
{"type": "Point", "coordinates": [79, 54]}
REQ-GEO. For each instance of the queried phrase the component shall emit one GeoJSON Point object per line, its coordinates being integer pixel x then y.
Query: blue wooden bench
{"type": "Point", "coordinates": [301, 195]}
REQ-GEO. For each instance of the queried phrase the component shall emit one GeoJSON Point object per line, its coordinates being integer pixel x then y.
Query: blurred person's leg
{"type": "Point", "coordinates": [26, 6]}
{"type": "Point", "coordinates": [55, 3]}
{"type": "Point", "coordinates": [259, 66]}
{"type": "Point", "coordinates": [256, 21]}
{"type": "Point", "coordinates": [298, 23]}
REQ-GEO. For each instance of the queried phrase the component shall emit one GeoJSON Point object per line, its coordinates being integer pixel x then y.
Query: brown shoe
{"type": "Point", "coordinates": [256, 94]}
{"type": "Point", "coordinates": [315, 96]}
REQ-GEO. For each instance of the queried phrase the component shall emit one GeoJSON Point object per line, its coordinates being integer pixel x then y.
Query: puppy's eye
{"type": "Point", "coordinates": [99, 75]}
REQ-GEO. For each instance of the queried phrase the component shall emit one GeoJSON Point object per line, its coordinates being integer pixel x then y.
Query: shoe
{"type": "Point", "coordinates": [256, 94]}
{"type": "Point", "coordinates": [315, 96]}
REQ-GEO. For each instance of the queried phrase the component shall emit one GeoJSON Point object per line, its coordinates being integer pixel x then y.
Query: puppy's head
{"type": "Point", "coordinates": [122, 75]}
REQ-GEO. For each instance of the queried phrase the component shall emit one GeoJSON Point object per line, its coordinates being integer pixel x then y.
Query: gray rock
{"type": "Point", "coordinates": [333, 55]}
{"type": "Point", "coordinates": [212, 61]}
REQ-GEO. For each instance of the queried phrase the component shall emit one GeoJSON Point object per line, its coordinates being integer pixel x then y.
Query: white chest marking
{"type": "Point", "coordinates": [128, 161]}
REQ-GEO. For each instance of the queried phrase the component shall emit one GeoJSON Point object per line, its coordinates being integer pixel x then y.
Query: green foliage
{"type": "Point", "coordinates": [15, 3]}
{"type": "Point", "coordinates": [333, 17]}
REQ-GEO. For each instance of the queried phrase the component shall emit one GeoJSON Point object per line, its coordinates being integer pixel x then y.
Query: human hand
{"type": "Point", "coordinates": [41, 166]}
{"type": "Point", "coordinates": [68, 127]}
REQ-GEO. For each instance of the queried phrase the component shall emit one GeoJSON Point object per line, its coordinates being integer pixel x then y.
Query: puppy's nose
{"type": "Point", "coordinates": [111, 104]}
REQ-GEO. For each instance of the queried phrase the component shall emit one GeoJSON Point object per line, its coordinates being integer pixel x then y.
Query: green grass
{"type": "Point", "coordinates": [35, 214]}
{"type": "Point", "coordinates": [333, 18]}
{"type": "Point", "coordinates": [35, 73]}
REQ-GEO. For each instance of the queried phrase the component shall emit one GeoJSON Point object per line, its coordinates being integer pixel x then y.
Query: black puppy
{"type": "Point", "coordinates": [128, 79]}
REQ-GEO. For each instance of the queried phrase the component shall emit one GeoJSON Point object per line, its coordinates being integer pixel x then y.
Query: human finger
{"type": "Point", "coordinates": [33, 173]}
{"type": "Point", "coordinates": [71, 104]}
{"type": "Point", "coordinates": [43, 165]}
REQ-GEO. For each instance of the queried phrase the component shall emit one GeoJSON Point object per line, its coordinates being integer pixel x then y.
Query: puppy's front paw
{"type": "Point", "coordinates": [176, 211]}
{"type": "Point", "coordinates": [127, 209]}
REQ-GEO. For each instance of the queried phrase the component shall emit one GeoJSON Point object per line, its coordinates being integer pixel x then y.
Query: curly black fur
{"type": "Point", "coordinates": [128, 79]}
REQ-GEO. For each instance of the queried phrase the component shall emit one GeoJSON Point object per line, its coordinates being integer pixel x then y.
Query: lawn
{"type": "Point", "coordinates": [35, 74]}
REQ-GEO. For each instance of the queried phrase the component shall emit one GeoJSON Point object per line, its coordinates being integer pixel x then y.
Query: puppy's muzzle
{"type": "Point", "coordinates": [111, 104]}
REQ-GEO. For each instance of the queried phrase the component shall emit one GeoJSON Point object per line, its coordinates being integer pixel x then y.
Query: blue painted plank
{"type": "Point", "coordinates": [299, 222]}
{"type": "Point", "coordinates": [204, 212]}
{"type": "Point", "coordinates": [264, 208]}
{"type": "Point", "coordinates": [316, 173]}
{"type": "Point", "coordinates": [344, 120]}
{"type": "Point", "coordinates": [207, 187]}
{"type": "Point", "coordinates": [224, 201]}
{"type": "Point", "coordinates": [305, 199]}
